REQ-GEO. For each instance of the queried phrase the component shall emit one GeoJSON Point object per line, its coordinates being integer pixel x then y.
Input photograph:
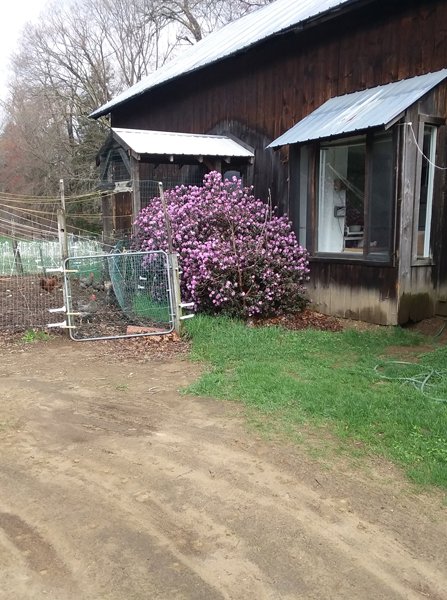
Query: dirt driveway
{"type": "Point", "coordinates": [115, 486]}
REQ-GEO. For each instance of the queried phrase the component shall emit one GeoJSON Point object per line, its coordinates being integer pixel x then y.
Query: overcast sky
{"type": "Point", "coordinates": [15, 15]}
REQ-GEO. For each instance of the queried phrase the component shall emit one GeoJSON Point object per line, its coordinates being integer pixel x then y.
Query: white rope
{"type": "Point", "coordinates": [430, 162]}
{"type": "Point", "coordinates": [354, 189]}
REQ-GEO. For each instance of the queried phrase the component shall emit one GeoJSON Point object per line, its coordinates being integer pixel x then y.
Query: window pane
{"type": "Point", "coordinates": [380, 203]}
{"type": "Point", "coordinates": [426, 193]}
{"type": "Point", "coordinates": [341, 198]}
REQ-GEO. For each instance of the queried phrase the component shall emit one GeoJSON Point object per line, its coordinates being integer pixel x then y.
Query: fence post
{"type": "Point", "coordinates": [173, 265]}
{"type": "Point", "coordinates": [16, 252]}
{"type": "Point", "coordinates": [136, 191]}
{"type": "Point", "coordinates": [107, 219]}
{"type": "Point", "coordinates": [62, 224]}
{"type": "Point", "coordinates": [166, 216]}
{"type": "Point", "coordinates": [63, 243]}
{"type": "Point", "coordinates": [176, 296]}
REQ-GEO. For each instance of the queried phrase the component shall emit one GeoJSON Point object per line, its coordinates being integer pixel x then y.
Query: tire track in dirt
{"type": "Point", "coordinates": [150, 495]}
{"type": "Point", "coordinates": [361, 542]}
{"type": "Point", "coordinates": [365, 544]}
{"type": "Point", "coordinates": [40, 555]}
{"type": "Point", "coordinates": [110, 554]}
{"type": "Point", "coordinates": [247, 484]}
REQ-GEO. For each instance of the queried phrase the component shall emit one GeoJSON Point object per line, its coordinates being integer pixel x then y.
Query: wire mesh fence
{"type": "Point", "coordinates": [170, 176]}
{"type": "Point", "coordinates": [30, 248]}
{"type": "Point", "coordinates": [28, 287]}
{"type": "Point", "coordinates": [119, 295]}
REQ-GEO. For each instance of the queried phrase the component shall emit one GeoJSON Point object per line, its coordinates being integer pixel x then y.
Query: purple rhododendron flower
{"type": "Point", "coordinates": [236, 256]}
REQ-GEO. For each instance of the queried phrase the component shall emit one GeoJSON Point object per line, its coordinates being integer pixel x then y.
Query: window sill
{"type": "Point", "coordinates": [422, 262]}
{"type": "Point", "coordinates": [352, 258]}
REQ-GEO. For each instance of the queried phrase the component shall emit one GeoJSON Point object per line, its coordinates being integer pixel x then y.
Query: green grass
{"type": "Point", "coordinates": [328, 379]}
{"type": "Point", "coordinates": [145, 307]}
{"type": "Point", "coordinates": [33, 335]}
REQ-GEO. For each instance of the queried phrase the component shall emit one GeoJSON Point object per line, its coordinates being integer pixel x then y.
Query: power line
{"type": "Point", "coordinates": [48, 199]}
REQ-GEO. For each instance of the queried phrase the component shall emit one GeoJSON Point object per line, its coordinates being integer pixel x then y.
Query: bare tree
{"type": "Point", "coordinates": [198, 18]}
{"type": "Point", "coordinates": [130, 30]}
{"type": "Point", "coordinates": [76, 58]}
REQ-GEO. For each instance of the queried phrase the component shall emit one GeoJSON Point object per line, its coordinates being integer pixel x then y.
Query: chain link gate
{"type": "Point", "coordinates": [119, 295]}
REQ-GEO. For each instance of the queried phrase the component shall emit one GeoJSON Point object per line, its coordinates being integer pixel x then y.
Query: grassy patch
{"type": "Point", "coordinates": [330, 379]}
{"type": "Point", "coordinates": [34, 335]}
{"type": "Point", "coordinates": [144, 306]}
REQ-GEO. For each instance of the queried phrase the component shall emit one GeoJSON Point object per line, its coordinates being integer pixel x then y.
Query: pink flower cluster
{"type": "Point", "coordinates": [236, 257]}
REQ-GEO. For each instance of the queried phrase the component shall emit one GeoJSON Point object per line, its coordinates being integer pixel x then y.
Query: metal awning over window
{"type": "Point", "coordinates": [177, 146]}
{"type": "Point", "coordinates": [381, 106]}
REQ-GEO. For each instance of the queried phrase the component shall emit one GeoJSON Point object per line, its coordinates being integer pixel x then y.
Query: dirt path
{"type": "Point", "coordinates": [115, 486]}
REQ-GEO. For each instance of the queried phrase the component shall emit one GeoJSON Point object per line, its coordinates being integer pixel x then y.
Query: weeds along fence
{"type": "Point", "coordinates": [27, 287]}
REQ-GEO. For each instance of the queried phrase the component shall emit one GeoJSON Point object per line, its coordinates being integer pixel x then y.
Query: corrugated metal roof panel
{"type": "Point", "coordinates": [239, 35]}
{"type": "Point", "coordinates": [375, 107]}
{"type": "Point", "coordinates": [168, 143]}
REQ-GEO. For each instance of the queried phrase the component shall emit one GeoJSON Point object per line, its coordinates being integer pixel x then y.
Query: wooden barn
{"type": "Point", "coordinates": [343, 104]}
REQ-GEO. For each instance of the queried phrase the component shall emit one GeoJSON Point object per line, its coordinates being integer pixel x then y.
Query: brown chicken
{"type": "Point", "coordinates": [49, 283]}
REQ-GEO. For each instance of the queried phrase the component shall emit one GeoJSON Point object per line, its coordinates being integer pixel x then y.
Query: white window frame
{"type": "Point", "coordinates": [427, 254]}
{"type": "Point", "coordinates": [341, 205]}
{"type": "Point", "coordinates": [365, 251]}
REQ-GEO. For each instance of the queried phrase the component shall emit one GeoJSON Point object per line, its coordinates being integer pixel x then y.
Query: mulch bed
{"type": "Point", "coordinates": [435, 327]}
{"type": "Point", "coordinates": [143, 349]}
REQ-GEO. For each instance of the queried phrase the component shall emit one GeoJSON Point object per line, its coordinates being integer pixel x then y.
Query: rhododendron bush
{"type": "Point", "coordinates": [236, 257]}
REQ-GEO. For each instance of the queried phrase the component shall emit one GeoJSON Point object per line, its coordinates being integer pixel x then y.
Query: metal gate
{"type": "Point", "coordinates": [119, 295]}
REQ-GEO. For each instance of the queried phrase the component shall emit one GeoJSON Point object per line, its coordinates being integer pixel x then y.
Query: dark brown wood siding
{"type": "Point", "coordinates": [439, 218]}
{"type": "Point", "coordinates": [264, 91]}
{"type": "Point", "coordinates": [362, 291]}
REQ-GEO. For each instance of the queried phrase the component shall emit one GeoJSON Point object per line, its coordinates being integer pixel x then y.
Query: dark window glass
{"type": "Point", "coordinates": [380, 202]}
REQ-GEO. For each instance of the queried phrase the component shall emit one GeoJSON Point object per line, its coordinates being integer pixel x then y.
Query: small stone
{"type": "Point", "coordinates": [142, 497]}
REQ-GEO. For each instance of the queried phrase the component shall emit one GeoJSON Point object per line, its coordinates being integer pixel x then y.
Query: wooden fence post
{"type": "Point", "coordinates": [61, 223]}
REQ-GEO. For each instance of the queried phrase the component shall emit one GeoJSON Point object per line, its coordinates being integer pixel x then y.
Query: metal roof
{"type": "Point", "coordinates": [381, 106]}
{"type": "Point", "coordinates": [168, 143]}
{"type": "Point", "coordinates": [235, 37]}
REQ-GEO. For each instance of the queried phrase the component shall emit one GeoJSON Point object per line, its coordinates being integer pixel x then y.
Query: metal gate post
{"type": "Point", "coordinates": [176, 297]}
{"type": "Point", "coordinates": [178, 305]}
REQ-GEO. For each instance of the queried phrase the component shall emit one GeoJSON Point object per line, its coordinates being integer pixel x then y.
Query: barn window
{"type": "Point", "coordinates": [425, 201]}
{"type": "Point", "coordinates": [355, 197]}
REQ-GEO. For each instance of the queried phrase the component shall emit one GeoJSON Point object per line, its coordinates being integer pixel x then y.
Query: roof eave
{"type": "Point", "coordinates": [299, 27]}
{"type": "Point", "coordinates": [329, 138]}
